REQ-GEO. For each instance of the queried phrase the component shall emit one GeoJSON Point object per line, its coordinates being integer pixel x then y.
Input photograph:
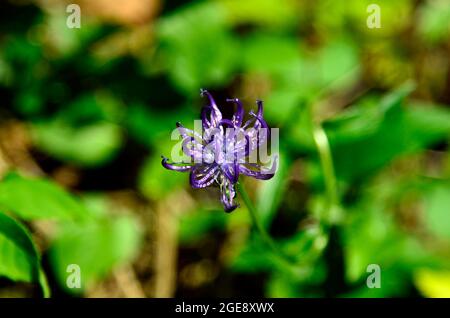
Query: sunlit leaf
{"type": "Point", "coordinates": [437, 214]}
{"type": "Point", "coordinates": [89, 145]}
{"type": "Point", "coordinates": [433, 283]}
{"type": "Point", "coordinates": [33, 199]}
{"type": "Point", "coordinates": [365, 142]}
{"type": "Point", "coordinates": [198, 48]}
{"type": "Point", "coordinates": [96, 248]}
{"type": "Point", "coordinates": [271, 191]}
{"type": "Point", "coordinates": [262, 12]}
{"type": "Point", "coordinates": [19, 259]}
{"type": "Point", "coordinates": [434, 21]}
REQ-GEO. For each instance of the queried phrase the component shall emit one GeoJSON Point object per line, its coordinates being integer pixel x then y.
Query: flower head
{"type": "Point", "coordinates": [224, 150]}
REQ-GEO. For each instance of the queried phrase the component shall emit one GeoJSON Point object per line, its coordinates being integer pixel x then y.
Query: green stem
{"type": "Point", "coordinates": [259, 227]}
{"type": "Point", "coordinates": [44, 283]}
{"type": "Point", "coordinates": [326, 161]}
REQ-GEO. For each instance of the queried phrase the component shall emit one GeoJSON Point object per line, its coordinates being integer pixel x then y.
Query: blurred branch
{"type": "Point", "coordinates": [166, 251]}
{"type": "Point", "coordinates": [166, 246]}
{"type": "Point", "coordinates": [128, 282]}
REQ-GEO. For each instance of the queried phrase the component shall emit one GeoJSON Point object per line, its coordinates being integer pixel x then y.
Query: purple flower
{"type": "Point", "coordinates": [224, 150]}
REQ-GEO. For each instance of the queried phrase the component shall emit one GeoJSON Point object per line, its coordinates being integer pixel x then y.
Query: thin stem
{"type": "Point", "coordinates": [326, 161]}
{"type": "Point", "coordinates": [259, 227]}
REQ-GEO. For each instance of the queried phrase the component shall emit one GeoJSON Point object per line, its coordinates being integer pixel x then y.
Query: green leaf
{"type": "Point", "coordinates": [149, 126]}
{"type": "Point", "coordinates": [373, 236]}
{"type": "Point", "coordinates": [271, 191]}
{"type": "Point", "coordinates": [428, 124]}
{"type": "Point", "coordinates": [433, 283]}
{"type": "Point", "coordinates": [434, 21]}
{"type": "Point", "coordinates": [367, 138]}
{"type": "Point", "coordinates": [261, 12]}
{"type": "Point", "coordinates": [19, 259]}
{"type": "Point", "coordinates": [337, 75]}
{"type": "Point", "coordinates": [96, 247]}
{"type": "Point", "coordinates": [33, 199]}
{"type": "Point", "coordinates": [89, 145]}
{"type": "Point", "coordinates": [437, 213]}
{"type": "Point", "coordinates": [151, 175]}
{"type": "Point", "coordinates": [271, 54]}
{"type": "Point", "coordinates": [198, 48]}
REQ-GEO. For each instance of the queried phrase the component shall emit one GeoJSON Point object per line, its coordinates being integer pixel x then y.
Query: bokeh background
{"type": "Point", "coordinates": [85, 115]}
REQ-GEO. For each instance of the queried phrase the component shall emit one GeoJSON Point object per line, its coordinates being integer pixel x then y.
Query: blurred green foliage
{"type": "Point", "coordinates": [98, 105]}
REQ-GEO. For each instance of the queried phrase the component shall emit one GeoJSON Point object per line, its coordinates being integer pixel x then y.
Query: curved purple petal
{"type": "Point", "coordinates": [203, 176]}
{"type": "Point", "coordinates": [204, 114]}
{"type": "Point", "coordinates": [255, 137]}
{"type": "Point", "coordinates": [260, 122]}
{"type": "Point", "coordinates": [259, 172]}
{"type": "Point", "coordinates": [188, 133]}
{"type": "Point", "coordinates": [175, 166]}
{"type": "Point", "coordinates": [256, 174]}
{"type": "Point", "coordinates": [239, 114]}
{"type": "Point", "coordinates": [216, 115]}
{"type": "Point", "coordinates": [260, 103]}
{"type": "Point", "coordinates": [226, 122]}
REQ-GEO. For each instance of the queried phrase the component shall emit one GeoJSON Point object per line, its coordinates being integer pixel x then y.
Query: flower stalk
{"type": "Point", "coordinates": [260, 228]}
{"type": "Point", "coordinates": [326, 162]}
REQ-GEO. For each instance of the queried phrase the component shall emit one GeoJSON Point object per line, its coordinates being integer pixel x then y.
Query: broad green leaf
{"type": "Point", "coordinates": [295, 74]}
{"type": "Point", "coordinates": [428, 124]}
{"type": "Point", "coordinates": [334, 75]}
{"type": "Point", "coordinates": [261, 12]}
{"type": "Point", "coordinates": [271, 54]}
{"type": "Point", "coordinates": [148, 126]}
{"type": "Point", "coordinates": [198, 48]}
{"type": "Point", "coordinates": [32, 199]}
{"type": "Point", "coordinates": [362, 142]}
{"type": "Point", "coordinates": [437, 211]}
{"type": "Point", "coordinates": [277, 60]}
{"type": "Point", "coordinates": [434, 21]}
{"type": "Point", "coordinates": [89, 145]}
{"type": "Point", "coordinates": [19, 259]}
{"type": "Point", "coordinates": [96, 247]}
{"type": "Point", "coordinates": [373, 235]}
{"type": "Point", "coordinates": [270, 192]}
{"type": "Point", "coordinates": [151, 175]}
